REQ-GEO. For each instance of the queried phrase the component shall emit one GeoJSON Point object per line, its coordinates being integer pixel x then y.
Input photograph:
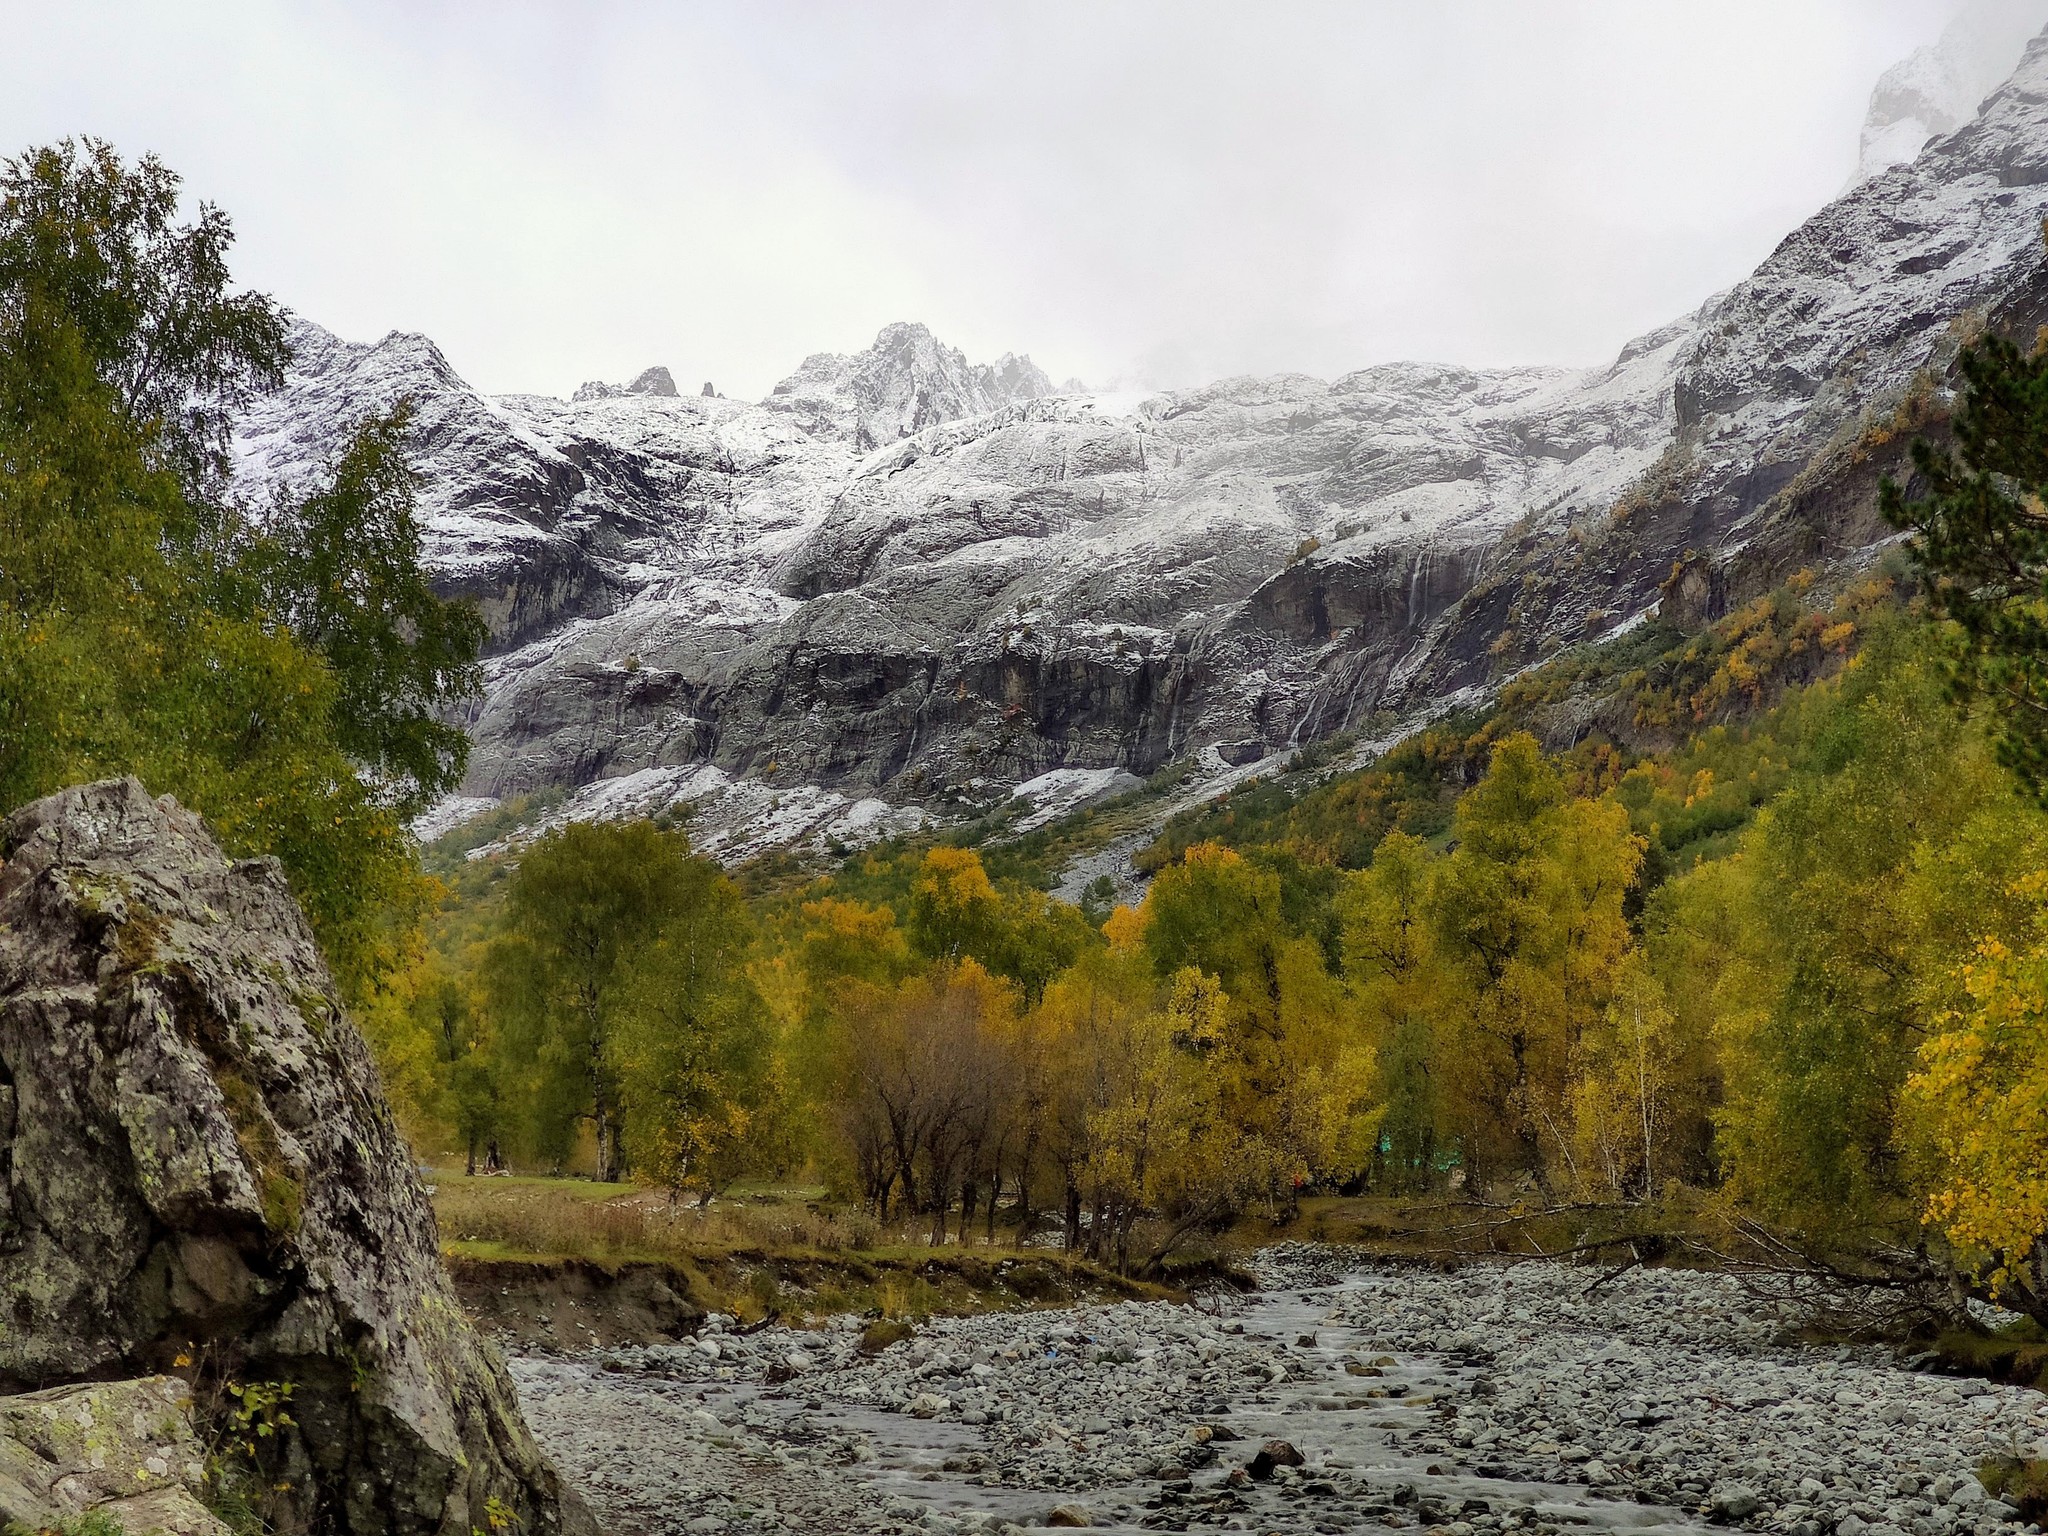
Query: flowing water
{"type": "Point", "coordinates": [1342, 1424]}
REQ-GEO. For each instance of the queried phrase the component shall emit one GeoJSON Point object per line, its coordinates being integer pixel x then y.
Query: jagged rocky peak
{"type": "Point", "coordinates": [650, 381]}
{"type": "Point", "coordinates": [653, 381]}
{"type": "Point", "coordinates": [907, 381]}
{"type": "Point", "coordinates": [1937, 89]}
{"type": "Point", "coordinates": [317, 350]}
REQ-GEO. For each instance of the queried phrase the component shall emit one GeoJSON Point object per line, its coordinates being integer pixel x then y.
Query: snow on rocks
{"type": "Point", "coordinates": [731, 820]}
{"type": "Point", "coordinates": [1496, 1399]}
{"type": "Point", "coordinates": [1064, 790]}
{"type": "Point", "coordinates": [1936, 89]}
{"type": "Point", "coordinates": [903, 575]}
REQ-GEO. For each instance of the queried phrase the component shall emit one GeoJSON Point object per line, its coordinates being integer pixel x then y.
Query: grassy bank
{"type": "Point", "coordinates": [789, 1251]}
{"type": "Point", "coordinates": [755, 1253]}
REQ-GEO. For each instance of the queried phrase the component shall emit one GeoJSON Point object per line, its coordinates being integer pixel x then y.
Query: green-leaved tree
{"type": "Point", "coordinates": [618, 991]}
{"type": "Point", "coordinates": [284, 678]}
{"type": "Point", "coordinates": [1981, 543]}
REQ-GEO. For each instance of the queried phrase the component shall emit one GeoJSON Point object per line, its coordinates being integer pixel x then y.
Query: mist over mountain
{"type": "Point", "coordinates": [1936, 89]}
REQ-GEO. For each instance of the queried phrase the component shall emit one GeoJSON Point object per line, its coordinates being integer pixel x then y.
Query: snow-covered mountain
{"type": "Point", "coordinates": [1935, 90]}
{"type": "Point", "coordinates": [905, 382]}
{"type": "Point", "coordinates": [903, 583]}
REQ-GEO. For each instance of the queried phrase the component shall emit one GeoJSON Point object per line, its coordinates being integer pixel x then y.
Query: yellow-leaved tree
{"type": "Point", "coordinates": [1399, 988]}
{"type": "Point", "coordinates": [1627, 1094]}
{"type": "Point", "coordinates": [1528, 915]}
{"type": "Point", "coordinates": [1292, 1073]}
{"type": "Point", "coordinates": [1978, 1104]}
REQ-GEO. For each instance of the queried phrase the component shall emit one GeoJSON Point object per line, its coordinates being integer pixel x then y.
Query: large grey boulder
{"type": "Point", "coordinates": [196, 1159]}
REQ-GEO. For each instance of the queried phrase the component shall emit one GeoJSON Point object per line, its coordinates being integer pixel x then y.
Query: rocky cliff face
{"type": "Point", "coordinates": [903, 583]}
{"type": "Point", "coordinates": [1794, 393]}
{"type": "Point", "coordinates": [196, 1160]}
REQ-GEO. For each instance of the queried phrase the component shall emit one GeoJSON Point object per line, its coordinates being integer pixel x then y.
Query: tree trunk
{"type": "Point", "coordinates": [1023, 1213]}
{"type": "Point", "coordinates": [611, 1146]}
{"type": "Point", "coordinates": [1073, 1218]}
{"type": "Point", "coordinates": [1526, 1134]}
{"type": "Point", "coordinates": [602, 1109]}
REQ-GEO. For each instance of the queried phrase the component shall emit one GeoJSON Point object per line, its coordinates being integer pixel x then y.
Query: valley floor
{"type": "Point", "coordinates": [1487, 1399]}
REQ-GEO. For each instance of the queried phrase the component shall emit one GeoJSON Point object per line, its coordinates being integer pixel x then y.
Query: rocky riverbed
{"type": "Point", "coordinates": [1493, 1399]}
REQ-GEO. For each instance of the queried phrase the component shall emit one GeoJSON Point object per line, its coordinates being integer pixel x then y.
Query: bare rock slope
{"type": "Point", "coordinates": [196, 1158]}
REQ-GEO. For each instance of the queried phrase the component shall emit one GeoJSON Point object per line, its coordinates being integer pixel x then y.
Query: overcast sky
{"type": "Point", "coordinates": [1158, 193]}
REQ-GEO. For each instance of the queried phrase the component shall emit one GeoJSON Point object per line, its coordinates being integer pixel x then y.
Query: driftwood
{"type": "Point", "coordinates": [1877, 1289]}
{"type": "Point", "coordinates": [1881, 1290]}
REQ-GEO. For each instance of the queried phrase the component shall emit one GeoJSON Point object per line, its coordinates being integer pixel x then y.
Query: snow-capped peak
{"type": "Point", "coordinates": [907, 381]}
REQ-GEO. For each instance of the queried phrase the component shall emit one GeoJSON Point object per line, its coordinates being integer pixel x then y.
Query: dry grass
{"type": "Point", "coordinates": [534, 1218]}
{"type": "Point", "coordinates": [762, 1252]}
{"type": "Point", "coordinates": [575, 1218]}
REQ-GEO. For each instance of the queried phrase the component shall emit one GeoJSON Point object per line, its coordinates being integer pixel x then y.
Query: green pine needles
{"type": "Point", "coordinates": [1980, 543]}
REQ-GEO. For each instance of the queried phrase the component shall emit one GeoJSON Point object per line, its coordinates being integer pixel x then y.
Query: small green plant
{"type": "Point", "coordinates": [260, 1410]}
{"type": "Point", "coordinates": [94, 1522]}
{"type": "Point", "coordinates": [360, 1370]}
{"type": "Point", "coordinates": [2023, 1481]}
{"type": "Point", "coordinates": [883, 1332]}
{"type": "Point", "coordinates": [231, 1494]}
{"type": "Point", "coordinates": [239, 1420]}
{"type": "Point", "coordinates": [765, 1292]}
{"type": "Point", "coordinates": [909, 1298]}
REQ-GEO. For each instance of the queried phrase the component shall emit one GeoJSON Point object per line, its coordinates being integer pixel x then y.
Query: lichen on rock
{"type": "Point", "coordinates": [190, 1168]}
{"type": "Point", "coordinates": [124, 1448]}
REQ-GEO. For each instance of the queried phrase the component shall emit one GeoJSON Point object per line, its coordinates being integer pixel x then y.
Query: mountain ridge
{"type": "Point", "coordinates": [904, 584]}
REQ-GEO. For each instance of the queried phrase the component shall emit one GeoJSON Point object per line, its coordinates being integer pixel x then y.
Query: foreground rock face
{"type": "Point", "coordinates": [195, 1156]}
